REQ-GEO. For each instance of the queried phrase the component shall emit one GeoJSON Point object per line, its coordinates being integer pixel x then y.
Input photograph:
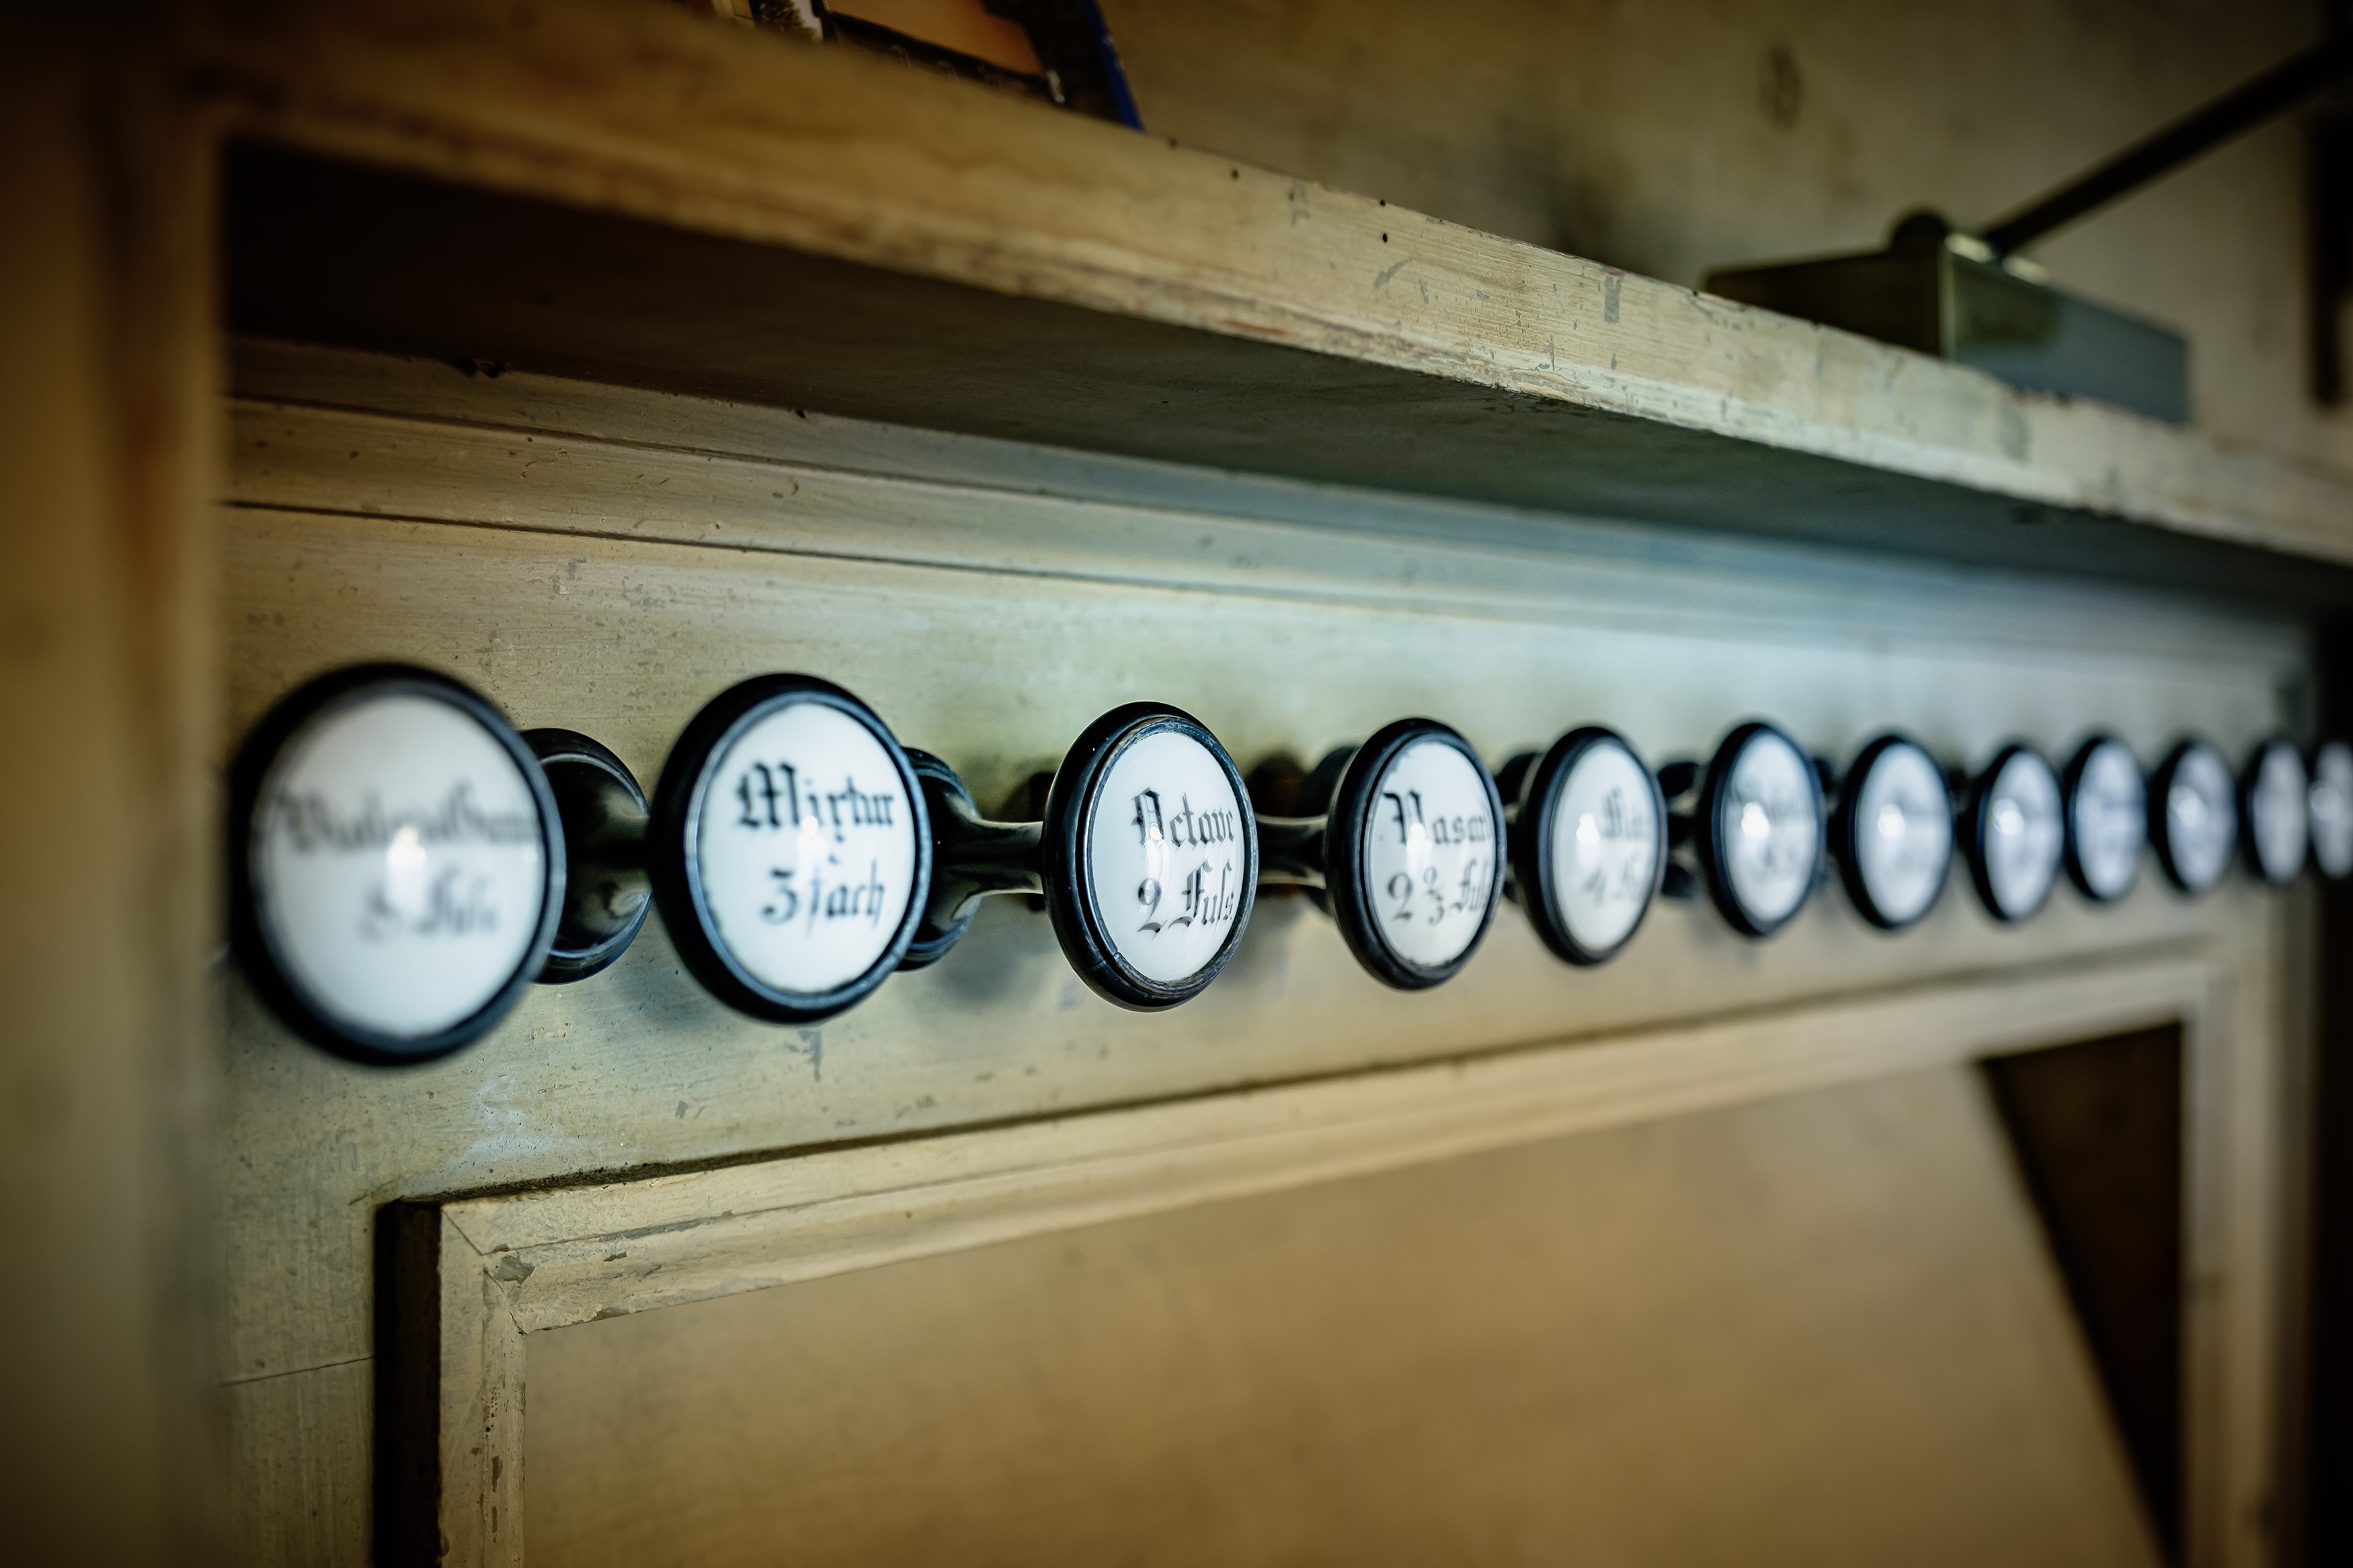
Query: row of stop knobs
{"type": "Point", "coordinates": [799, 854]}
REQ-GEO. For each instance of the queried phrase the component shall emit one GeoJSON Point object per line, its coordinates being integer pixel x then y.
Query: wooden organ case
{"type": "Point", "coordinates": [605, 360]}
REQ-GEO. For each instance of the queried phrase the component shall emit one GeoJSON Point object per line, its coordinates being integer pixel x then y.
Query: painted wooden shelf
{"type": "Point", "coordinates": [612, 189]}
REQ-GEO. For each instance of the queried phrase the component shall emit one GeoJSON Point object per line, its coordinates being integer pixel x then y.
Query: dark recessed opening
{"type": "Point", "coordinates": [2097, 1129]}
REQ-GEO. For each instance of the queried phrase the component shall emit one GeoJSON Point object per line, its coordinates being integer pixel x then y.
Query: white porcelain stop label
{"type": "Point", "coordinates": [1606, 842]}
{"type": "Point", "coordinates": [398, 866]}
{"type": "Point", "coordinates": [1769, 823]}
{"type": "Point", "coordinates": [2278, 811]}
{"type": "Point", "coordinates": [2111, 819]}
{"type": "Point", "coordinates": [2201, 818]}
{"type": "Point", "coordinates": [2332, 809]}
{"type": "Point", "coordinates": [1902, 832]}
{"type": "Point", "coordinates": [805, 848]}
{"type": "Point", "coordinates": [2022, 834]}
{"type": "Point", "coordinates": [1429, 853]}
{"type": "Point", "coordinates": [1165, 855]}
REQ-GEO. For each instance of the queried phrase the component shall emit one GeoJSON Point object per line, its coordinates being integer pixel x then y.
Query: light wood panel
{"type": "Point", "coordinates": [1816, 1331]}
{"type": "Point", "coordinates": [551, 542]}
{"type": "Point", "coordinates": [703, 1234]}
{"type": "Point", "coordinates": [995, 672]}
{"type": "Point", "coordinates": [300, 1468]}
{"type": "Point", "coordinates": [477, 1279]}
{"type": "Point", "coordinates": [990, 267]}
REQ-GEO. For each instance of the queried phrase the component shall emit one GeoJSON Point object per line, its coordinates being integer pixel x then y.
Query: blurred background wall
{"type": "Point", "coordinates": [1668, 137]}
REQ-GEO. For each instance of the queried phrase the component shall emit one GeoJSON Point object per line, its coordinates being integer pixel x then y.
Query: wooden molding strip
{"type": "Point", "coordinates": [488, 1271]}
{"type": "Point", "coordinates": [437, 447]}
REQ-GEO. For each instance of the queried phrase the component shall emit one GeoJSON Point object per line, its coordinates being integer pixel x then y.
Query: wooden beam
{"type": "Point", "coordinates": [710, 209]}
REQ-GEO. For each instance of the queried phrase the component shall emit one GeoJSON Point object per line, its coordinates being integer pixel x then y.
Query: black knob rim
{"type": "Point", "coordinates": [672, 866]}
{"type": "Point", "coordinates": [1845, 834]}
{"type": "Point", "coordinates": [1081, 923]}
{"type": "Point", "coordinates": [1977, 826]}
{"type": "Point", "coordinates": [571, 962]}
{"type": "Point", "coordinates": [2070, 788]}
{"type": "Point", "coordinates": [1708, 837]}
{"type": "Point", "coordinates": [267, 969]}
{"type": "Point", "coordinates": [1354, 805]}
{"type": "Point", "coordinates": [1531, 843]}
{"type": "Point", "coordinates": [2160, 818]}
{"type": "Point", "coordinates": [2249, 783]}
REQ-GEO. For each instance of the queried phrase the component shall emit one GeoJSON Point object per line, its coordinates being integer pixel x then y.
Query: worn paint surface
{"type": "Point", "coordinates": [1672, 136]}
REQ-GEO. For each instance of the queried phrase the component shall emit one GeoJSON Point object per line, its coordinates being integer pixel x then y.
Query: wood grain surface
{"type": "Point", "coordinates": [1817, 1330]}
{"type": "Point", "coordinates": [475, 1283]}
{"type": "Point", "coordinates": [607, 559]}
{"type": "Point", "coordinates": [928, 211]}
{"type": "Point", "coordinates": [1055, 285]}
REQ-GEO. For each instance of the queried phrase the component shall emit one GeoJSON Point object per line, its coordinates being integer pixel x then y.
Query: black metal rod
{"type": "Point", "coordinates": [972, 857]}
{"type": "Point", "coordinates": [2278, 89]}
{"type": "Point", "coordinates": [1291, 850]}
